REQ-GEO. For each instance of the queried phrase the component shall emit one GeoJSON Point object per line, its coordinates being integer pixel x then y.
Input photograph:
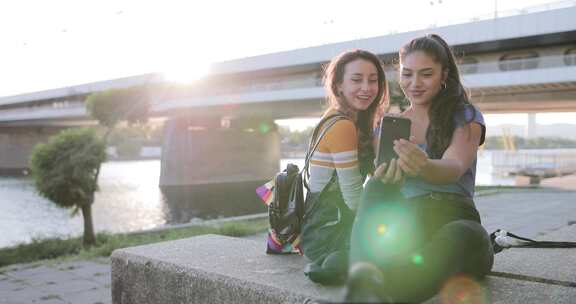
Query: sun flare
{"type": "Point", "coordinates": [186, 73]}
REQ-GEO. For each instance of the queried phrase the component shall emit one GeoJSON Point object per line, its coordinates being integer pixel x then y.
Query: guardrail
{"type": "Point", "coordinates": [541, 163]}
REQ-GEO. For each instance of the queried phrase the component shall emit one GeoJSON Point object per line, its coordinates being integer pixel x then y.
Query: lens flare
{"type": "Point", "coordinates": [382, 228]}
{"type": "Point", "coordinates": [417, 259]}
{"type": "Point", "coordinates": [264, 128]}
{"type": "Point", "coordinates": [462, 289]}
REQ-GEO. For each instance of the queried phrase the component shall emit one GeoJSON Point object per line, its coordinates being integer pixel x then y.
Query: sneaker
{"type": "Point", "coordinates": [332, 271]}
{"type": "Point", "coordinates": [365, 282]}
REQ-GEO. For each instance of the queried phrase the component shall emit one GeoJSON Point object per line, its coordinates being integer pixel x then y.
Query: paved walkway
{"type": "Point", "coordinates": [61, 282]}
{"type": "Point", "coordinates": [527, 212]}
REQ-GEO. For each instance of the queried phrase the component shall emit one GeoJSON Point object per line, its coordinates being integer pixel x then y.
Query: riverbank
{"type": "Point", "coordinates": [129, 200]}
{"type": "Point", "coordinates": [530, 212]}
{"type": "Point", "coordinates": [62, 247]}
{"type": "Point", "coordinates": [71, 248]}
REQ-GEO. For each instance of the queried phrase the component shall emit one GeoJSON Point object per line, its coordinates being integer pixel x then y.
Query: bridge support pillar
{"type": "Point", "coordinates": [531, 127]}
{"type": "Point", "coordinates": [215, 165]}
{"type": "Point", "coordinates": [16, 145]}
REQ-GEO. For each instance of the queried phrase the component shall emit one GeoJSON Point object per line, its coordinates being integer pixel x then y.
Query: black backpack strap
{"type": "Point", "coordinates": [323, 127]}
{"type": "Point", "coordinates": [502, 239]}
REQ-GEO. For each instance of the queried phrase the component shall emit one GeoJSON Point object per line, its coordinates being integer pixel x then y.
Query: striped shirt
{"type": "Point", "coordinates": [338, 151]}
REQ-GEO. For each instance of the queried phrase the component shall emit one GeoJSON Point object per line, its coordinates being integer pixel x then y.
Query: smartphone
{"type": "Point", "coordinates": [391, 129]}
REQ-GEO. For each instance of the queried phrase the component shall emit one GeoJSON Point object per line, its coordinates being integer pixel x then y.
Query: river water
{"type": "Point", "coordinates": [129, 200]}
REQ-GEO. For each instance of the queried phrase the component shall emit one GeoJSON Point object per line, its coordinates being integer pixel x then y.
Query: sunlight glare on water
{"type": "Point", "coordinates": [129, 199]}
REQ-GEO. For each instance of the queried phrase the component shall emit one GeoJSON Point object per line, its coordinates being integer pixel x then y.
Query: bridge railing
{"type": "Point", "coordinates": [61, 108]}
{"type": "Point", "coordinates": [517, 64]}
{"type": "Point", "coordinates": [506, 13]}
{"type": "Point", "coordinates": [314, 79]}
{"type": "Point", "coordinates": [548, 162]}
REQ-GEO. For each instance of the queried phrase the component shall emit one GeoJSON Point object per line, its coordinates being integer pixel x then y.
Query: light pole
{"type": "Point", "coordinates": [495, 9]}
{"type": "Point", "coordinates": [432, 3]}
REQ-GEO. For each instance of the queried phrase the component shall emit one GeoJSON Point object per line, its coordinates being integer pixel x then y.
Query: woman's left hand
{"type": "Point", "coordinates": [389, 174]}
{"type": "Point", "coordinates": [411, 158]}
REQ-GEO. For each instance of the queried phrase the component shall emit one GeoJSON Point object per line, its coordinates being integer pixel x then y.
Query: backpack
{"type": "Point", "coordinates": [284, 196]}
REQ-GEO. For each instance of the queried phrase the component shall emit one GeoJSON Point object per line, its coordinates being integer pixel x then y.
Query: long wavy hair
{"type": "Point", "coordinates": [450, 101]}
{"type": "Point", "coordinates": [365, 120]}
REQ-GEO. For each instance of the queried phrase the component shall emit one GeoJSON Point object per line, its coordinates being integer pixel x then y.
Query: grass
{"type": "Point", "coordinates": [57, 248]}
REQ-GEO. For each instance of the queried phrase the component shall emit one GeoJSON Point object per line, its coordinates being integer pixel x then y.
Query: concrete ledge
{"type": "Point", "coordinates": [219, 269]}
{"type": "Point", "coordinates": [209, 269]}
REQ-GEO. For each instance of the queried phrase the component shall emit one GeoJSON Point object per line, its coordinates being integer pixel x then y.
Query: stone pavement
{"type": "Point", "coordinates": [531, 213]}
{"type": "Point", "coordinates": [57, 282]}
{"type": "Point", "coordinates": [528, 212]}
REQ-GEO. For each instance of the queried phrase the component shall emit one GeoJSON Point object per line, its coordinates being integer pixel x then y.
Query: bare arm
{"type": "Point", "coordinates": [457, 158]}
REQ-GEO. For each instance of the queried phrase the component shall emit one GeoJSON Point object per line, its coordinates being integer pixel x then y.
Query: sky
{"type": "Point", "coordinates": [57, 43]}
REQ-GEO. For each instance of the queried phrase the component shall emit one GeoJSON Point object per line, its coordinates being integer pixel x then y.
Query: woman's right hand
{"type": "Point", "coordinates": [391, 174]}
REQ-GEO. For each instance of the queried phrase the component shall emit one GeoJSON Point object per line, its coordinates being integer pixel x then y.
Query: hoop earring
{"type": "Point", "coordinates": [444, 86]}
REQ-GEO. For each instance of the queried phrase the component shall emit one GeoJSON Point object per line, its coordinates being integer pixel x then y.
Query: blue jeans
{"type": "Point", "coordinates": [326, 229]}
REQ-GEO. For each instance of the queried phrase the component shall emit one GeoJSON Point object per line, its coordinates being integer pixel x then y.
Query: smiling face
{"type": "Point", "coordinates": [359, 86]}
{"type": "Point", "coordinates": [421, 78]}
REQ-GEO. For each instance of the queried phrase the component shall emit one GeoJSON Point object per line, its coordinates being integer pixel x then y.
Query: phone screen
{"type": "Point", "coordinates": [391, 128]}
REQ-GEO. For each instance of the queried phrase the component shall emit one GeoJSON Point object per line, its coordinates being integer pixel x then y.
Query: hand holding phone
{"type": "Point", "coordinates": [391, 128]}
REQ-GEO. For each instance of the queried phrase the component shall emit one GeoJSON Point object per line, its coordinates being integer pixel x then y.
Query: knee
{"type": "Point", "coordinates": [477, 246]}
{"type": "Point", "coordinates": [462, 228]}
{"type": "Point", "coordinates": [466, 233]}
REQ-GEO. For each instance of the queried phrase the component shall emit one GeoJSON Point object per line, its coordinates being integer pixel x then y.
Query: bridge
{"type": "Point", "coordinates": [523, 63]}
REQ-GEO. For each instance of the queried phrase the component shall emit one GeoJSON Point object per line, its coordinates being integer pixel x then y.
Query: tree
{"type": "Point", "coordinates": [128, 140]}
{"type": "Point", "coordinates": [65, 171]}
{"type": "Point", "coordinates": [397, 97]}
{"type": "Point", "coordinates": [112, 106]}
{"type": "Point", "coordinates": [115, 105]}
